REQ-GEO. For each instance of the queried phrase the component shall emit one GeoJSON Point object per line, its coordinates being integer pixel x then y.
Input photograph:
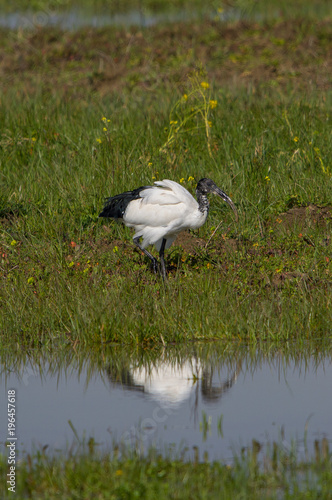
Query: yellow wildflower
{"type": "Point", "coordinates": [98, 140]}
{"type": "Point", "coordinates": [104, 119]}
{"type": "Point", "coordinates": [104, 129]}
{"type": "Point", "coordinates": [205, 85]}
{"type": "Point", "coordinates": [267, 178]}
{"type": "Point", "coordinates": [185, 97]}
{"type": "Point", "coordinates": [190, 178]}
{"type": "Point", "coordinates": [182, 180]}
{"type": "Point", "coordinates": [173, 122]}
{"type": "Point", "coordinates": [213, 104]}
{"type": "Point", "coordinates": [295, 139]}
{"type": "Point", "coordinates": [210, 124]}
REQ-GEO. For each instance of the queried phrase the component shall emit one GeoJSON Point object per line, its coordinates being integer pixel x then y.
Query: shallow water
{"type": "Point", "coordinates": [77, 18]}
{"type": "Point", "coordinates": [138, 401]}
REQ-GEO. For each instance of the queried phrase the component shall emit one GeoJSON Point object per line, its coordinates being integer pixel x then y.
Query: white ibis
{"type": "Point", "coordinates": [159, 213]}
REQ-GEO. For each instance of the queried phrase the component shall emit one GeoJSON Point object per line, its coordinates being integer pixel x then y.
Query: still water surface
{"type": "Point", "coordinates": [77, 18]}
{"type": "Point", "coordinates": [164, 401]}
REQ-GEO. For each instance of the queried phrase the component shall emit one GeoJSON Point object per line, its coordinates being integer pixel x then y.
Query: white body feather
{"type": "Point", "coordinates": [163, 211]}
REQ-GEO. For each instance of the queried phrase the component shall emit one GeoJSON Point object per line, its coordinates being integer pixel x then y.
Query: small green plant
{"type": "Point", "coordinates": [305, 149]}
{"type": "Point", "coordinates": [205, 425]}
{"type": "Point", "coordinates": [219, 426]}
{"type": "Point", "coordinates": [192, 112]}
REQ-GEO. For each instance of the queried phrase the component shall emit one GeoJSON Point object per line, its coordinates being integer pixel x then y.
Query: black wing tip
{"type": "Point", "coordinates": [115, 206]}
{"type": "Point", "coordinates": [105, 211]}
{"type": "Point", "coordinates": [113, 213]}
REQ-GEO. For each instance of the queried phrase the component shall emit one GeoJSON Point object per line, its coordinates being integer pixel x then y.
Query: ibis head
{"type": "Point", "coordinates": [206, 186]}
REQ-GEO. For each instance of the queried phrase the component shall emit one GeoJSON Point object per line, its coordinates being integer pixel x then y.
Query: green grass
{"type": "Point", "coordinates": [85, 473]}
{"type": "Point", "coordinates": [68, 275]}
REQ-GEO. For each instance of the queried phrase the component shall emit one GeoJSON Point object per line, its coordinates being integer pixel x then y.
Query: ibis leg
{"type": "Point", "coordinates": [162, 259]}
{"type": "Point", "coordinates": [153, 260]}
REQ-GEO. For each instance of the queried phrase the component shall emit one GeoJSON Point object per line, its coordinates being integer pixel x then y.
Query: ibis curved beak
{"type": "Point", "coordinates": [227, 199]}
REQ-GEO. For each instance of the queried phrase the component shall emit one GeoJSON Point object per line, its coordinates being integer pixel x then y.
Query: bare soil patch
{"type": "Point", "coordinates": [303, 217]}
{"type": "Point", "coordinates": [295, 52]}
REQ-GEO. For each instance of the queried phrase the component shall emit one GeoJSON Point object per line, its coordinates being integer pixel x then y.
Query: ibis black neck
{"type": "Point", "coordinates": [203, 202]}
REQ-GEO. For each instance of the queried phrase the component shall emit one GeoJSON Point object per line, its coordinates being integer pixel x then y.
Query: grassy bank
{"type": "Point", "coordinates": [67, 273]}
{"type": "Point", "coordinates": [87, 474]}
{"type": "Point", "coordinates": [77, 127]}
